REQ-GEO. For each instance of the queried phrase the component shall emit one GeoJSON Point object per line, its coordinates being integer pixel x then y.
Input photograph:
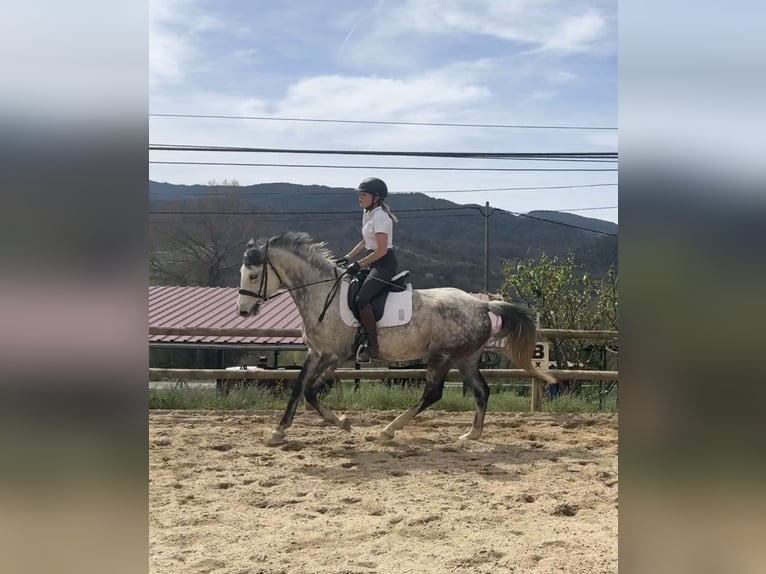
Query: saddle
{"type": "Point", "coordinates": [399, 310]}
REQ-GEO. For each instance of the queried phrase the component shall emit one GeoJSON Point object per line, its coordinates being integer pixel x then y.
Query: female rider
{"type": "Point", "coordinates": [378, 247]}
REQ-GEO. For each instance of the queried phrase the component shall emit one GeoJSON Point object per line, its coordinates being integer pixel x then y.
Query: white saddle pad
{"type": "Point", "coordinates": [398, 310]}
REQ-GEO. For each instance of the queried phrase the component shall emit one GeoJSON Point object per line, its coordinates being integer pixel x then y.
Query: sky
{"type": "Point", "coordinates": [478, 63]}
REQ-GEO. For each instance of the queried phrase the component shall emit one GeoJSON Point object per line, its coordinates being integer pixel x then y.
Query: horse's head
{"type": "Point", "coordinates": [258, 280]}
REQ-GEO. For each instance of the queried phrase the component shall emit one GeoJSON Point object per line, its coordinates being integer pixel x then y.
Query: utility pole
{"type": "Point", "coordinates": [486, 213]}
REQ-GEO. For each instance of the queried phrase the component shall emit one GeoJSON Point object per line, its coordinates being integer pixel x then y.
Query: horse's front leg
{"type": "Point", "coordinates": [310, 366]}
{"type": "Point", "coordinates": [312, 396]}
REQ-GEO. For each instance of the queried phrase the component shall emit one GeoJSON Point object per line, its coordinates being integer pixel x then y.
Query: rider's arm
{"type": "Point", "coordinates": [358, 248]}
{"type": "Point", "coordinates": [382, 248]}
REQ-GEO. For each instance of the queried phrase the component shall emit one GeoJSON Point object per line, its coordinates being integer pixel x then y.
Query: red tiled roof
{"type": "Point", "coordinates": [216, 307]}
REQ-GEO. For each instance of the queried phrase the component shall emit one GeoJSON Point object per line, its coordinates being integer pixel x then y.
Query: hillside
{"type": "Point", "coordinates": [442, 243]}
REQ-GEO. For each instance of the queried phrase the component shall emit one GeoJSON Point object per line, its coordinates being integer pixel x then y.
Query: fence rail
{"type": "Point", "coordinates": [351, 374]}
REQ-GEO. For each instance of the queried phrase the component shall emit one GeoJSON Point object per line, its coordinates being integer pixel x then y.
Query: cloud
{"type": "Point", "coordinates": [553, 24]}
{"type": "Point", "coordinates": [169, 50]}
{"type": "Point", "coordinates": [429, 98]}
{"type": "Point", "coordinates": [577, 33]}
{"type": "Point", "coordinates": [403, 37]}
{"type": "Point", "coordinates": [451, 61]}
{"type": "Point", "coordinates": [561, 77]}
{"type": "Point", "coordinates": [174, 30]}
{"type": "Point", "coordinates": [541, 96]}
{"type": "Point", "coordinates": [379, 97]}
{"type": "Point", "coordinates": [606, 140]}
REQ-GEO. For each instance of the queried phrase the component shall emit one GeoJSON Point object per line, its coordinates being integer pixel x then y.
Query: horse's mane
{"type": "Point", "coordinates": [315, 252]}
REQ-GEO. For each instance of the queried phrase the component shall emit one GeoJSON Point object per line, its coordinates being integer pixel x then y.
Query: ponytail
{"type": "Point", "coordinates": [388, 211]}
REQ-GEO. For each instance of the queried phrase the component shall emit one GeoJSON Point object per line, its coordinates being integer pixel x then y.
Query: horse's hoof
{"type": "Point", "coordinates": [386, 435]}
{"type": "Point", "coordinates": [473, 435]}
{"type": "Point", "coordinates": [274, 438]}
{"type": "Point", "coordinates": [344, 423]}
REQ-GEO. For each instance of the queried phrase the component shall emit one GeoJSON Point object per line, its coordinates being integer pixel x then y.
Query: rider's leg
{"type": "Point", "coordinates": [375, 283]}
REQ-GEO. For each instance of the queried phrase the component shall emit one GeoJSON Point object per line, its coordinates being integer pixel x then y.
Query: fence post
{"type": "Point", "coordinates": [537, 395]}
{"type": "Point", "coordinates": [537, 387]}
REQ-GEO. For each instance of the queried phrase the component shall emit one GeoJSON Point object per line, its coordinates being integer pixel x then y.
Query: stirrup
{"type": "Point", "coordinates": [363, 354]}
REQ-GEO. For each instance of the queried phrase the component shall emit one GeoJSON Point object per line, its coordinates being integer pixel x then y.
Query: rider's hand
{"type": "Point", "coordinates": [354, 268]}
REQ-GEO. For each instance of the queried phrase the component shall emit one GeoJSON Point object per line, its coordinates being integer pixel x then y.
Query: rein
{"type": "Point", "coordinates": [262, 287]}
{"type": "Point", "coordinates": [261, 294]}
{"type": "Point", "coordinates": [331, 294]}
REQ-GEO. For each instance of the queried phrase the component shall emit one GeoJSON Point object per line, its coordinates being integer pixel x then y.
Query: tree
{"type": "Point", "coordinates": [203, 248]}
{"type": "Point", "coordinates": [566, 298]}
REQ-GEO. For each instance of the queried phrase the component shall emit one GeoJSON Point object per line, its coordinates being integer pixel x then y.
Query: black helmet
{"type": "Point", "coordinates": [374, 186]}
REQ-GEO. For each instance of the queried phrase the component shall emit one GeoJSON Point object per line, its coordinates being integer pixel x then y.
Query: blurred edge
{"type": "Point", "coordinates": [692, 278]}
{"type": "Point", "coordinates": [73, 169]}
{"type": "Point", "coordinates": [73, 136]}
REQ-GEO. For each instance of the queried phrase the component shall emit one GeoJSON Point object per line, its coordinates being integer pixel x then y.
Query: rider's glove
{"type": "Point", "coordinates": [354, 268]}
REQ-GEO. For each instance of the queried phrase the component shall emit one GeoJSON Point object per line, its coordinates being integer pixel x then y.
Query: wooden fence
{"type": "Point", "coordinates": [231, 332]}
{"type": "Point", "coordinates": [377, 373]}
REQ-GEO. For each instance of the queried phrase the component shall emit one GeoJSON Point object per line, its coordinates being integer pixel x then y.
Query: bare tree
{"type": "Point", "coordinates": [200, 241]}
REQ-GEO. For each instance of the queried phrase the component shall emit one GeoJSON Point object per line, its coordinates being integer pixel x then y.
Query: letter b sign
{"type": "Point", "coordinates": [540, 356]}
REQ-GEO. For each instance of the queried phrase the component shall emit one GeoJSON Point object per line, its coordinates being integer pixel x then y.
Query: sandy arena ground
{"type": "Point", "coordinates": [537, 494]}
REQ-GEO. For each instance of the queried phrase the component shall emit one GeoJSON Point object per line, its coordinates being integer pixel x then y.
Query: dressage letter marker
{"type": "Point", "coordinates": [540, 356]}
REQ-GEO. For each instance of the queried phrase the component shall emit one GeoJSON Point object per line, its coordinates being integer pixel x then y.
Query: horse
{"type": "Point", "coordinates": [449, 328]}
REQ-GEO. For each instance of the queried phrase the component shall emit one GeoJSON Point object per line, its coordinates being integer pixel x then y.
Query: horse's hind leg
{"type": "Point", "coordinates": [438, 367]}
{"type": "Point", "coordinates": [472, 377]}
{"type": "Point", "coordinates": [312, 398]}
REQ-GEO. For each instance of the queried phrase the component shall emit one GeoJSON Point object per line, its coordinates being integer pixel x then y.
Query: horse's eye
{"type": "Point", "coordinates": [252, 277]}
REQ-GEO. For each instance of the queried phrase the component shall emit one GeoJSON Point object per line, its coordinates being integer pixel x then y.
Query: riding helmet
{"type": "Point", "coordinates": [374, 186]}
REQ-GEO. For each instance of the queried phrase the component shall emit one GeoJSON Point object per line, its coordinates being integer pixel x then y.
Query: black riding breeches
{"type": "Point", "coordinates": [381, 271]}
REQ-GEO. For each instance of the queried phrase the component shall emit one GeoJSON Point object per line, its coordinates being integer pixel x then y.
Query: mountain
{"type": "Point", "coordinates": [440, 242]}
{"type": "Point", "coordinates": [576, 220]}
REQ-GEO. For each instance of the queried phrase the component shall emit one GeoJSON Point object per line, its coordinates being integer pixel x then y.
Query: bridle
{"type": "Point", "coordinates": [261, 294]}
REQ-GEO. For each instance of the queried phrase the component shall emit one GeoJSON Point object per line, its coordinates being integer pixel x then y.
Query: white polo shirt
{"type": "Point", "coordinates": [376, 221]}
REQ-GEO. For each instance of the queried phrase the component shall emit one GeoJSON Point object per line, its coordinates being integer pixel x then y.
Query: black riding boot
{"type": "Point", "coordinates": [367, 318]}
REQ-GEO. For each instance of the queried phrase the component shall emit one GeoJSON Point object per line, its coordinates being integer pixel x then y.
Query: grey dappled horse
{"type": "Point", "coordinates": [449, 328]}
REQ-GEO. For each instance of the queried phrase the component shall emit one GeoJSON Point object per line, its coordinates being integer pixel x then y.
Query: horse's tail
{"type": "Point", "coordinates": [519, 330]}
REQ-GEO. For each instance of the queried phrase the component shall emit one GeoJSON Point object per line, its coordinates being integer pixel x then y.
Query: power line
{"type": "Point", "coordinates": [277, 217]}
{"type": "Point", "coordinates": [319, 166]}
{"type": "Point", "coordinates": [271, 217]}
{"type": "Point", "coordinates": [566, 224]}
{"type": "Point", "coordinates": [355, 212]}
{"type": "Point", "coordinates": [515, 188]}
{"type": "Point", "coordinates": [557, 156]}
{"type": "Point", "coordinates": [241, 190]}
{"type": "Point", "coordinates": [557, 159]}
{"type": "Point", "coordinates": [388, 123]}
{"type": "Point", "coordinates": [266, 219]}
{"type": "Point", "coordinates": [586, 208]}
{"type": "Point", "coordinates": [269, 213]}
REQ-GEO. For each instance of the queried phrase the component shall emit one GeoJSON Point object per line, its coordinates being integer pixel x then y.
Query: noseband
{"type": "Point", "coordinates": [261, 294]}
